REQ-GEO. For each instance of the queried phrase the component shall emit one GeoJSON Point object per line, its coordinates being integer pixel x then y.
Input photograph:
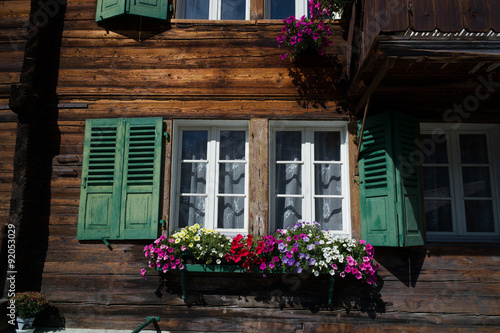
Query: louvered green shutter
{"type": "Point", "coordinates": [101, 179]}
{"type": "Point", "coordinates": [120, 179]}
{"type": "Point", "coordinates": [141, 179]}
{"type": "Point", "coordinates": [150, 8]}
{"type": "Point", "coordinates": [109, 8]}
{"type": "Point", "coordinates": [391, 206]}
{"type": "Point", "coordinates": [409, 181]}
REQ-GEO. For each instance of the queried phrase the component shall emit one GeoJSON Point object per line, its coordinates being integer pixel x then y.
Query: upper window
{"type": "Point", "coordinates": [214, 9]}
{"type": "Point", "coordinates": [210, 183]}
{"type": "Point", "coordinates": [309, 175]}
{"type": "Point", "coordinates": [460, 184]}
{"type": "Point", "coordinates": [281, 9]}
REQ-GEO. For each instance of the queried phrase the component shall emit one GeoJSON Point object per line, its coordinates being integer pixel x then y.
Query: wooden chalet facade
{"type": "Point", "coordinates": [410, 75]}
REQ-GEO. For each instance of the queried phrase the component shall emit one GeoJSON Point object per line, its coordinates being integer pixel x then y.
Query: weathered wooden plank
{"type": "Point", "coordinates": [477, 15]}
{"type": "Point", "coordinates": [424, 15]}
{"type": "Point", "coordinates": [199, 108]}
{"type": "Point", "coordinates": [259, 177]}
{"type": "Point", "coordinates": [449, 15]}
{"type": "Point", "coordinates": [494, 19]}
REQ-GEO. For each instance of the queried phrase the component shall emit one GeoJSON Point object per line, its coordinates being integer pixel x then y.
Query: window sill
{"type": "Point", "coordinates": [230, 22]}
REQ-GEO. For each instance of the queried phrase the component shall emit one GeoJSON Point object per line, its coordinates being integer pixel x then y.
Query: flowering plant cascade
{"type": "Point", "coordinates": [29, 304]}
{"type": "Point", "coordinates": [302, 247]}
{"type": "Point", "coordinates": [309, 33]}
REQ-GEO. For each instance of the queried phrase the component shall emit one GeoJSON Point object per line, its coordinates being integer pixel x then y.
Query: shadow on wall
{"type": "Point", "coordinates": [318, 79]}
{"type": "Point", "coordinates": [284, 291]}
{"type": "Point", "coordinates": [403, 263]}
{"type": "Point", "coordinates": [135, 27]}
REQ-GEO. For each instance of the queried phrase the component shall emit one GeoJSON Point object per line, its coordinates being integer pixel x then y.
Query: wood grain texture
{"type": "Point", "coordinates": [258, 209]}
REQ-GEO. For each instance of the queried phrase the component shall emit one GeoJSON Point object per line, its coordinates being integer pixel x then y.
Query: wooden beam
{"type": "Point", "coordinates": [259, 177]}
{"type": "Point", "coordinates": [389, 63]}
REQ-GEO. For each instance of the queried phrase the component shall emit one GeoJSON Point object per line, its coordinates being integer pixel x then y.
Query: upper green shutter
{"type": "Point", "coordinates": [109, 8]}
{"type": "Point", "coordinates": [149, 8]}
{"type": "Point", "coordinates": [389, 169]}
{"type": "Point", "coordinates": [120, 179]}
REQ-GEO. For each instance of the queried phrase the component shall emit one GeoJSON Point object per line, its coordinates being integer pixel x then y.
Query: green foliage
{"type": "Point", "coordinates": [29, 304]}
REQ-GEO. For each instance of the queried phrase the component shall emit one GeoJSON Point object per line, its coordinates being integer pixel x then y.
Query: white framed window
{"type": "Point", "coordinates": [281, 9]}
{"type": "Point", "coordinates": [309, 174]}
{"type": "Point", "coordinates": [209, 176]}
{"type": "Point", "coordinates": [213, 9]}
{"type": "Point", "coordinates": [461, 186]}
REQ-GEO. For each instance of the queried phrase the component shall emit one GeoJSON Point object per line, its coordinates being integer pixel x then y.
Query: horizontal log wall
{"type": "Point", "coordinates": [14, 16]}
{"type": "Point", "coordinates": [136, 69]}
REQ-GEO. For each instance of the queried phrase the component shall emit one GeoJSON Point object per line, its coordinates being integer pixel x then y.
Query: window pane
{"type": "Point", "coordinates": [329, 213]}
{"type": "Point", "coordinates": [288, 211]}
{"type": "Point", "coordinates": [233, 9]}
{"type": "Point", "coordinates": [196, 9]}
{"type": "Point", "coordinates": [191, 211]}
{"type": "Point", "coordinates": [479, 216]}
{"type": "Point", "coordinates": [232, 178]}
{"type": "Point", "coordinates": [288, 146]}
{"type": "Point", "coordinates": [434, 149]}
{"type": "Point", "coordinates": [327, 179]}
{"type": "Point", "coordinates": [288, 179]}
{"type": "Point", "coordinates": [231, 212]}
{"type": "Point", "coordinates": [194, 145]}
{"type": "Point", "coordinates": [193, 177]}
{"type": "Point", "coordinates": [473, 148]}
{"type": "Point", "coordinates": [281, 9]}
{"type": "Point", "coordinates": [438, 215]}
{"type": "Point", "coordinates": [232, 145]}
{"type": "Point", "coordinates": [476, 181]}
{"type": "Point", "coordinates": [327, 146]}
{"type": "Point", "coordinates": [436, 182]}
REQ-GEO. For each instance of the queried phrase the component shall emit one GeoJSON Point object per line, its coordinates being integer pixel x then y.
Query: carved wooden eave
{"type": "Point", "coordinates": [426, 75]}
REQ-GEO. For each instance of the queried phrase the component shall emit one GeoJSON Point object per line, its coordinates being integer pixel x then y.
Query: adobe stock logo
{"type": "Point", "coordinates": [47, 10]}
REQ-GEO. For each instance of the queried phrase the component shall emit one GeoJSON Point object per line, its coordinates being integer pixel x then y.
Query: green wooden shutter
{"type": "Point", "coordinates": [120, 191]}
{"type": "Point", "coordinates": [390, 198]}
{"type": "Point", "coordinates": [141, 178]}
{"type": "Point", "coordinates": [101, 179]}
{"type": "Point", "coordinates": [109, 8]}
{"type": "Point", "coordinates": [409, 180]}
{"type": "Point", "coordinates": [149, 8]}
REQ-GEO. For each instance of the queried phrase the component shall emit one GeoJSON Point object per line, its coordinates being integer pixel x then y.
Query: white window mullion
{"type": "Point", "coordinates": [307, 176]}
{"type": "Point", "coordinates": [456, 171]}
{"type": "Point", "coordinates": [211, 213]}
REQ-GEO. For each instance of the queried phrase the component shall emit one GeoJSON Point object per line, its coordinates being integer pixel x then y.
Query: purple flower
{"type": "Point", "coordinates": [312, 261]}
{"type": "Point", "coordinates": [310, 247]}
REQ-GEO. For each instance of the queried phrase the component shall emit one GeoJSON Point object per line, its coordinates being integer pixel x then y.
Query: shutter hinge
{"type": "Point", "coordinates": [163, 224]}
{"type": "Point", "coordinates": [84, 183]}
{"type": "Point", "coordinates": [171, 8]}
{"type": "Point", "coordinates": [166, 135]}
{"type": "Point", "coordinates": [105, 240]}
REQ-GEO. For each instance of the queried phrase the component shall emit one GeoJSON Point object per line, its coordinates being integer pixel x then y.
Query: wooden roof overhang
{"type": "Point", "coordinates": [427, 76]}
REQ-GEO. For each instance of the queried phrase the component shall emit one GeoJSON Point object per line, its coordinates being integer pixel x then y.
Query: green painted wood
{"type": "Point", "coordinates": [390, 185]}
{"type": "Point", "coordinates": [379, 224]}
{"type": "Point", "coordinates": [120, 191]}
{"type": "Point", "coordinates": [101, 180]}
{"type": "Point", "coordinates": [408, 180]}
{"type": "Point", "coordinates": [140, 199]}
{"type": "Point", "coordinates": [197, 268]}
{"type": "Point", "coordinates": [109, 8]}
{"type": "Point", "coordinates": [149, 8]}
